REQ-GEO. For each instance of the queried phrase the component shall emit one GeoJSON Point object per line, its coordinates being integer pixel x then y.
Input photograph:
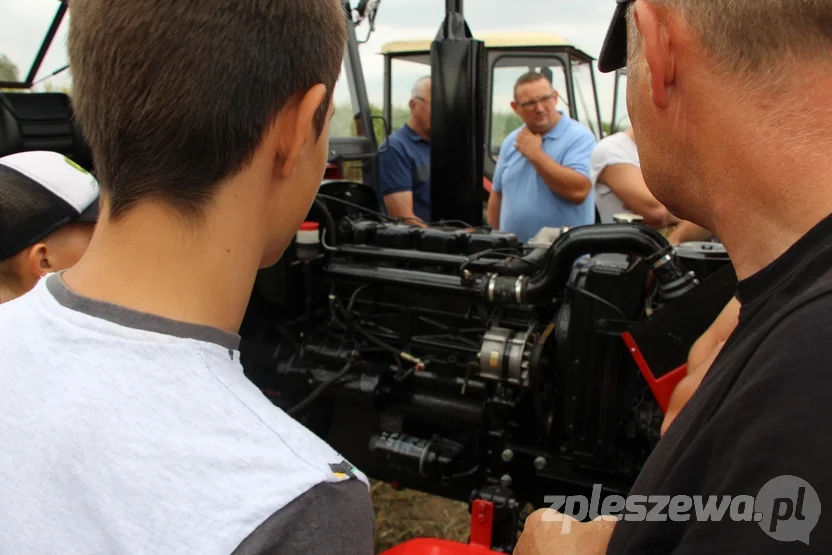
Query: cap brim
{"type": "Point", "coordinates": [90, 215]}
{"type": "Point", "coordinates": [614, 51]}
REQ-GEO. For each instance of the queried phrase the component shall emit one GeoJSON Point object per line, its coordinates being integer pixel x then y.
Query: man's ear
{"type": "Point", "coordinates": [295, 128]}
{"type": "Point", "coordinates": [651, 25]}
{"type": "Point", "coordinates": [515, 106]}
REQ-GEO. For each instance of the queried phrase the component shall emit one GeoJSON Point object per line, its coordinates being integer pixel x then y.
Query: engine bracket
{"type": "Point", "coordinates": [482, 523]}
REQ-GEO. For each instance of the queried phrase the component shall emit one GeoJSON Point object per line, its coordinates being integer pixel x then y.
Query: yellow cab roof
{"type": "Point", "coordinates": [491, 40]}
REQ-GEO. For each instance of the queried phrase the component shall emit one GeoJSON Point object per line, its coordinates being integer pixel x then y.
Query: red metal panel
{"type": "Point", "coordinates": [663, 387]}
{"type": "Point", "coordinates": [431, 546]}
{"type": "Point", "coordinates": [482, 526]}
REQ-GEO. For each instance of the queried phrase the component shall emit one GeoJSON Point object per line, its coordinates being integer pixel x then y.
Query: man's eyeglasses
{"type": "Point", "coordinates": [541, 100]}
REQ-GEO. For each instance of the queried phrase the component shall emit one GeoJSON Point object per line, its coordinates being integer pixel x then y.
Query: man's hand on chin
{"type": "Point", "coordinates": [548, 532]}
{"type": "Point", "coordinates": [529, 144]}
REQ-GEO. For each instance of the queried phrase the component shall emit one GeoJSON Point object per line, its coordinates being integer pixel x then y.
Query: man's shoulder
{"type": "Point", "coordinates": [778, 353]}
{"type": "Point", "coordinates": [398, 136]}
{"type": "Point", "coordinates": [578, 132]}
{"type": "Point", "coordinates": [508, 142]}
{"type": "Point", "coordinates": [614, 147]}
{"type": "Point", "coordinates": [392, 142]}
{"type": "Point", "coordinates": [761, 412]}
{"type": "Point", "coordinates": [334, 518]}
{"type": "Point", "coordinates": [784, 332]}
{"type": "Point", "coordinates": [614, 141]}
{"type": "Point", "coordinates": [796, 286]}
{"type": "Point", "coordinates": [800, 327]}
{"type": "Point", "coordinates": [401, 138]}
{"type": "Point", "coordinates": [19, 318]}
{"type": "Point", "coordinates": [93, 398]}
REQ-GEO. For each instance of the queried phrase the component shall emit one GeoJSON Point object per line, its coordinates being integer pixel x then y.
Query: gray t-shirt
{"type": "Point", "coordinates": [128, 433]}
{"type": "Point", "coordinates": [615, 149]}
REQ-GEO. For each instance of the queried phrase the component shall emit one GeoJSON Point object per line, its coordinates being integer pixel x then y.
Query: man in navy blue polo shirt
{"type": "Point", "coordinates": [404, 163]}
{"type": "Point", "coordinates": [542, 175]}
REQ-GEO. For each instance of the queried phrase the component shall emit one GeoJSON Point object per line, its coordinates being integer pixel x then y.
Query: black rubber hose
{"type": "Point", "coordinates": [330, 222]}
{"type": "Point", "coordinates": [579, 241]}
{"type": "Point", "coordinates": [320, 389]}
{"type": "Point", "coordinates": [514, 265]}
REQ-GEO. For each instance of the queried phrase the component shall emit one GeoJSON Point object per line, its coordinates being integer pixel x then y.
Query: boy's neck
{"type": "Point", "coordinates": [156, 262]}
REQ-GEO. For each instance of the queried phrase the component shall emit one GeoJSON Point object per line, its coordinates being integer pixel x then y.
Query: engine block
{"type": "Point", "coordinates": [457, 361]}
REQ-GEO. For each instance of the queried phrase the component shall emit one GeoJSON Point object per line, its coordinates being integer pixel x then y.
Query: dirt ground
{"type": "Point", "coordinates": [404, 515]}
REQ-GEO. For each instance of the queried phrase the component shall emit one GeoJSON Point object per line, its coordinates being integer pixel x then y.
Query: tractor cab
{"type": "Point", "coordinates": [620, 116]}
{"type": "Point", "coordinates": [32, 46]}
{"type": "Point", "coordinates": [508, 56]}
{"type": "Point", "coordinates": [36, 85]}
{"type": "Point", "coordinates": [35, 108]}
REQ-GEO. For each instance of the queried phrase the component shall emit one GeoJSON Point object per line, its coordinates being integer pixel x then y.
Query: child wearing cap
{"type": "Point", "coordinates": [48, 210]}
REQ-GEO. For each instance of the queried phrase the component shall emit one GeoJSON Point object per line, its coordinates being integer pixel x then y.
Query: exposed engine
{"type": "Point", "coordinates": [458, 361]}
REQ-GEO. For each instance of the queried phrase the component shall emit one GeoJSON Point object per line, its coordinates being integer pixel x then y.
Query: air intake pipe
{"type": "Point", "coordinates": [672, 277]}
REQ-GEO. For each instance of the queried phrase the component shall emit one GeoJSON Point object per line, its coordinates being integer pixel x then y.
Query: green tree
{"type": "Point", "coordinates": [8, 71]}
{"type": "Point", "coordinates": [49, 86]}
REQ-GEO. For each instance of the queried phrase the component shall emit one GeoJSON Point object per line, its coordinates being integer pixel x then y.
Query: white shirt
{"type": "Point", "coordinates": [124, 432]}
{"type": "Point", "coordinates": [615, 149]}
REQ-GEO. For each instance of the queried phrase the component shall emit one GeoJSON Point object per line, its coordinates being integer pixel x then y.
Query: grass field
{"type": "Point", "coordinates": [407, 514]}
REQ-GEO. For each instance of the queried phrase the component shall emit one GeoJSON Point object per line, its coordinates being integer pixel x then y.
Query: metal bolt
{"type": "Point", "coordinates": [508, 454]}
{"type": "Point", "coordinates": [505, 481]}
{"type": "Point", "coordinates": [540, 463]}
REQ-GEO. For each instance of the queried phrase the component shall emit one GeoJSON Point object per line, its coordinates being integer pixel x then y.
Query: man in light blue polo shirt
{"type": "Point", "coordinates": [542, 175]}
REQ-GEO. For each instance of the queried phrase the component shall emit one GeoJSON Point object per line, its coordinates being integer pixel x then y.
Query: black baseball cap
{"type": "Point", "coordinates": [40, 192]}
{"type": "Point", "coordinates": [614, 51]}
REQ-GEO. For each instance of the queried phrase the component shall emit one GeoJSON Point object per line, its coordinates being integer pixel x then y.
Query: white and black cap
{"type": "Point", "coordinates": [40, 192]}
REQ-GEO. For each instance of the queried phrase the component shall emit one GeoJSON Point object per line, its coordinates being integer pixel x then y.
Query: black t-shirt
{"type": "Point", "coordinates": [763, 411]}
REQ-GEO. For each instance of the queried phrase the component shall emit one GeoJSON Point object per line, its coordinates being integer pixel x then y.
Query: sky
{"type": "Point", "coordinates": [583, 22]}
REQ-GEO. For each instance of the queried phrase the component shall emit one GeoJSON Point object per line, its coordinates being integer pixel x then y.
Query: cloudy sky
{"type": "Point", "coordinates": [582, 22]}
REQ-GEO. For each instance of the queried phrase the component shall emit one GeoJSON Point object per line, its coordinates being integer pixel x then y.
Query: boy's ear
{"type": "Point", "coordinates": [38, 261]}
{"type": "Point", "coordinates": [295, 128]}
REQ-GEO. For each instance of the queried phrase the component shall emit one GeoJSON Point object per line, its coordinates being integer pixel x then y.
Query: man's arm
{"type": "Point", "coordinates": [688, 231]}
{"type": "Point", "coordinates": [627, 182]}
{"type": "Point", "coordinates": [548, 532]}
{"type": "Point", "coordinates": [569, 181]}
{"type": "Point", "coordinates": [773, 428]}
{"type": "Point", "coordinates": [495, 201]}
{"type": "Point", "coordinates": [702, 354]}
{"type": "Point", "coordinates": [395, 172]}
{"type": "Point", "coordinates": [400, 205]}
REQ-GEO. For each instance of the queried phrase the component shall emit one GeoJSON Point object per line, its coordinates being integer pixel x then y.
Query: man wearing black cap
{"type": "Point", "coordinates": [730, 104]}
{"type": "Point", "coordinates": [48, 210]}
